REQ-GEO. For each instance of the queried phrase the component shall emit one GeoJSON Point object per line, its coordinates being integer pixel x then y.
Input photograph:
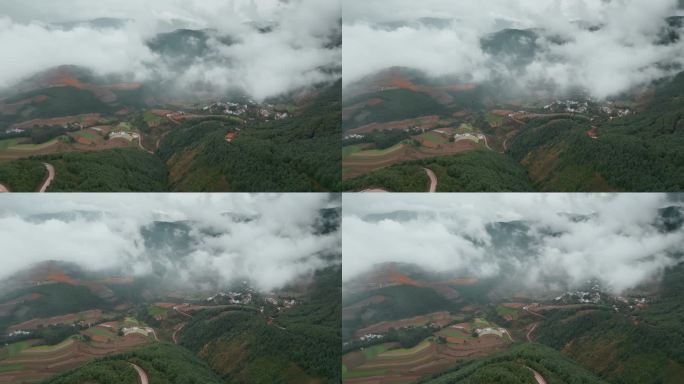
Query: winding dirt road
{"type": "Point", "coordinates": [175, 341]}
{"type": "Point", "coordinates": [142, 147]}
{"type": "Point", "coordinates": [537, 376]}
{"type": "Point", "coordinates": [49, 178]}
{"type": "Point", "coordinates": [433, 180]}
{"type": "Point", "coordinates": [3, 189]}
{"type": "Point", "coordinates": [529, 333]}
{"type": "Point", "coordinates": [141, 374]}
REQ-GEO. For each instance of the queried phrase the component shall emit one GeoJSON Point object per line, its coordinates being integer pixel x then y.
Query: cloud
{"type": "Point", "coordinates": [296, 53]}
{"type": "Point", "coordinates": [443, 38]}
{"type": "Point", "coordinates": [279, 243]}
{"type": "Point", "coordinates": [613, 241]}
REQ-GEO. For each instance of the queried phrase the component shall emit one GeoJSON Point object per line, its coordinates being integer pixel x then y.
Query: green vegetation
{"type": "Point", "coordinates": [11, 367]}
{"type": "Point", "coordinates": [492, 118]}
{"type": "Point", "coordinates": [61, 101]}
{"type": "Point", "coordinates": [514, 366]}
{"type": "Point", "coordinates": [300, 153]}
{"type": "Point", "coordinates": [16, 348]}
{"type": "Point", "coordinates": [151, 118]}
{"type": "Point", "coordinates": [163, 363]}
{"type": "Point", "coordinates": [24, 175]}
{"type": "Point", "coordinates": [383, 139]}
{"type": "Point", "coordinates": [398, 104]}
{"type": "Point", "coordinates": [155, 311]}
{"type": "Point", "coordinates": [476, 171]}
{"type": "Point", "coordinates": [642, 347]}
{"type": "Point", "coordinates": [640, 152]}
{"type": "Point", "coordinates": [355, 374]}
{"type": "Point", "coordinates": [56, 299]}
{"type": "Point", "coordinates": [371, 352]}
{"type": "Point", "coordinates": [43, 134]}
{"type": "Point", "coordinates": [401, 302]}
{"type": "Point", "coordinates": [116, 170]}
{"type": "Point", "coordinates": [298, 344]}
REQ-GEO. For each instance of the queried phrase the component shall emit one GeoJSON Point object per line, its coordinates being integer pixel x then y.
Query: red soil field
{"type": "Point", "coordinates": [91, 316]}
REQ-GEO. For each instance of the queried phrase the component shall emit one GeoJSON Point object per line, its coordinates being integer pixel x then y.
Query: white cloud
{"type": "Point", "coordinates": [293, 55]}
{"type": "Point", "coordinates": [621, 55]}
{"type": "Point", "coordinates": [279, 245]}
{"type": "Point", "coordinates": [616, 244]}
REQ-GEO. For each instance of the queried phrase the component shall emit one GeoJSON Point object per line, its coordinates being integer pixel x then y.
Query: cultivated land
{"type": "Point", "coordinates": [196, 144]}
{"type": "Point", "coordinates": [408, 349]}
{"type": "Point", "coordinates": [397, 122]}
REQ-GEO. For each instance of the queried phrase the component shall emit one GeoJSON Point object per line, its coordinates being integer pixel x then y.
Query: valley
{"type": "Point", "coordinates": [499, 135]}
{"type": "Point", "coordinates": [539, 313]}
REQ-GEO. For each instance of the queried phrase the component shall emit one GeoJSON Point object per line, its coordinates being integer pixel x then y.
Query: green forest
{"type": "Point", "coordinates": [294, 346]}
{"type": "Point", "coordinates": [644, 347]}
{"type": "Point", "coordinates": [300, 153]}
{"type": "Point", "coordinates": [162, 362]}
{"type": "Point", "coordinates": [476, 171]}
{"type": "Point", "coordinates": [515, 365]}
{"type": "Point", "coordinates": [116, 170]}
{"type": "Point", "coordinates": [24, 175]}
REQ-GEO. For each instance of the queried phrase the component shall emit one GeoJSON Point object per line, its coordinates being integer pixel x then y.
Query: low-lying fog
{"type": "Point", "coordinates": [604, 47]}
{"type": "Point", "coordinates": [264, 48]}
{"type": "Point", "coordinates": [188, 239]}
{"type": "Point", "coordinates": [553, 241]}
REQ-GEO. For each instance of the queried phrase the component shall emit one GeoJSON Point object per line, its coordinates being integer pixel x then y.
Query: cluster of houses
{"type": "Point", "coordinates": [145, 331]}
{"type": "Point", "coordinates": [265, 112]}
{"type": "Point", "coordinates": [476, 137]}
{"type": "Point", "coordinates": [491, 331]}
{"type": "Point", "coordinates": [130, 136]}
{"type": "Point", "coordinates": [231, 297]}
{"type": "Point", "coordinates": [569, 106]}
{"type": "Point", "coordinates": [593, 296]}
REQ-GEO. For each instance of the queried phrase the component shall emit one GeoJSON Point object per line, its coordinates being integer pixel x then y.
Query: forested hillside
{"type": "Point", "coordinates": [163, 363]}
{"type": "Point", "coordinates": [515, 366]}
{"type": "Point", "coordinates": [300, 153]}
{"type": "Point", "coordinates": [477, 171]}
{"type": "Point", "coordinates": [299, 345]}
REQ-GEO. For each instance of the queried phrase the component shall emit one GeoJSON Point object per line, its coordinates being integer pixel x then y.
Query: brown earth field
{"type": "Point", "coordinates": [57, 146]}
{"type": "Point", "coordinates": [36, 364]}
{"type": "Point", "coordinates": [440, 318]}
{"type": "Point", "coordinates": [405, 366]}
{"type": "Point", "coordinates": [393, 79]}
{"type": "Point", "coordinates": [360, 163]}
{"type": "Point", "coordinates": [8, 306]}
{"type": "Point", "coordinates": [87, 120]}
{"type": "Point", "coordinates": [425, 122]}
{"type": "Point", "coordinates": [351, 311]}
{"type": "Point", "coordinates": [91, 316]}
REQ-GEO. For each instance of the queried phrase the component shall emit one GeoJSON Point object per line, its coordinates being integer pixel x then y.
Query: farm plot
{"type": "Point", "coordinates": [29, 362]}
{"type": "Point", "coordinates": [439, 318]}
{"type": "Point", "coordinates": [358, 163]}
{"type": "Point", "coordinates": [390, 363]}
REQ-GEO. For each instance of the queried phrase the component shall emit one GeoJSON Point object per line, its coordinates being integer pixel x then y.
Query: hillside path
{"type": "Point", "coordinates": [141, 374]}
{"type": "Point", "coordinates": [3, 189]}
{"type": "Point", "coordinates": [49, 178]}
{"type": "Point", "coordinates": [537, 376]}
{"type": "Point", "coordinates": [140, 144]}
{"type": "Point", "coordinates": [178, 329]}
{"type": "Point", "coordinates": [433, 180]}
{"type": "Point", "coordinates": [529, 333]}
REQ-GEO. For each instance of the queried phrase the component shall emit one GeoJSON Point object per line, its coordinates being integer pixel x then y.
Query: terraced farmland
{"type": "Point", "coordinates": [389, 363]}
{"type": "Point", "coordinates": [29, 361]}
